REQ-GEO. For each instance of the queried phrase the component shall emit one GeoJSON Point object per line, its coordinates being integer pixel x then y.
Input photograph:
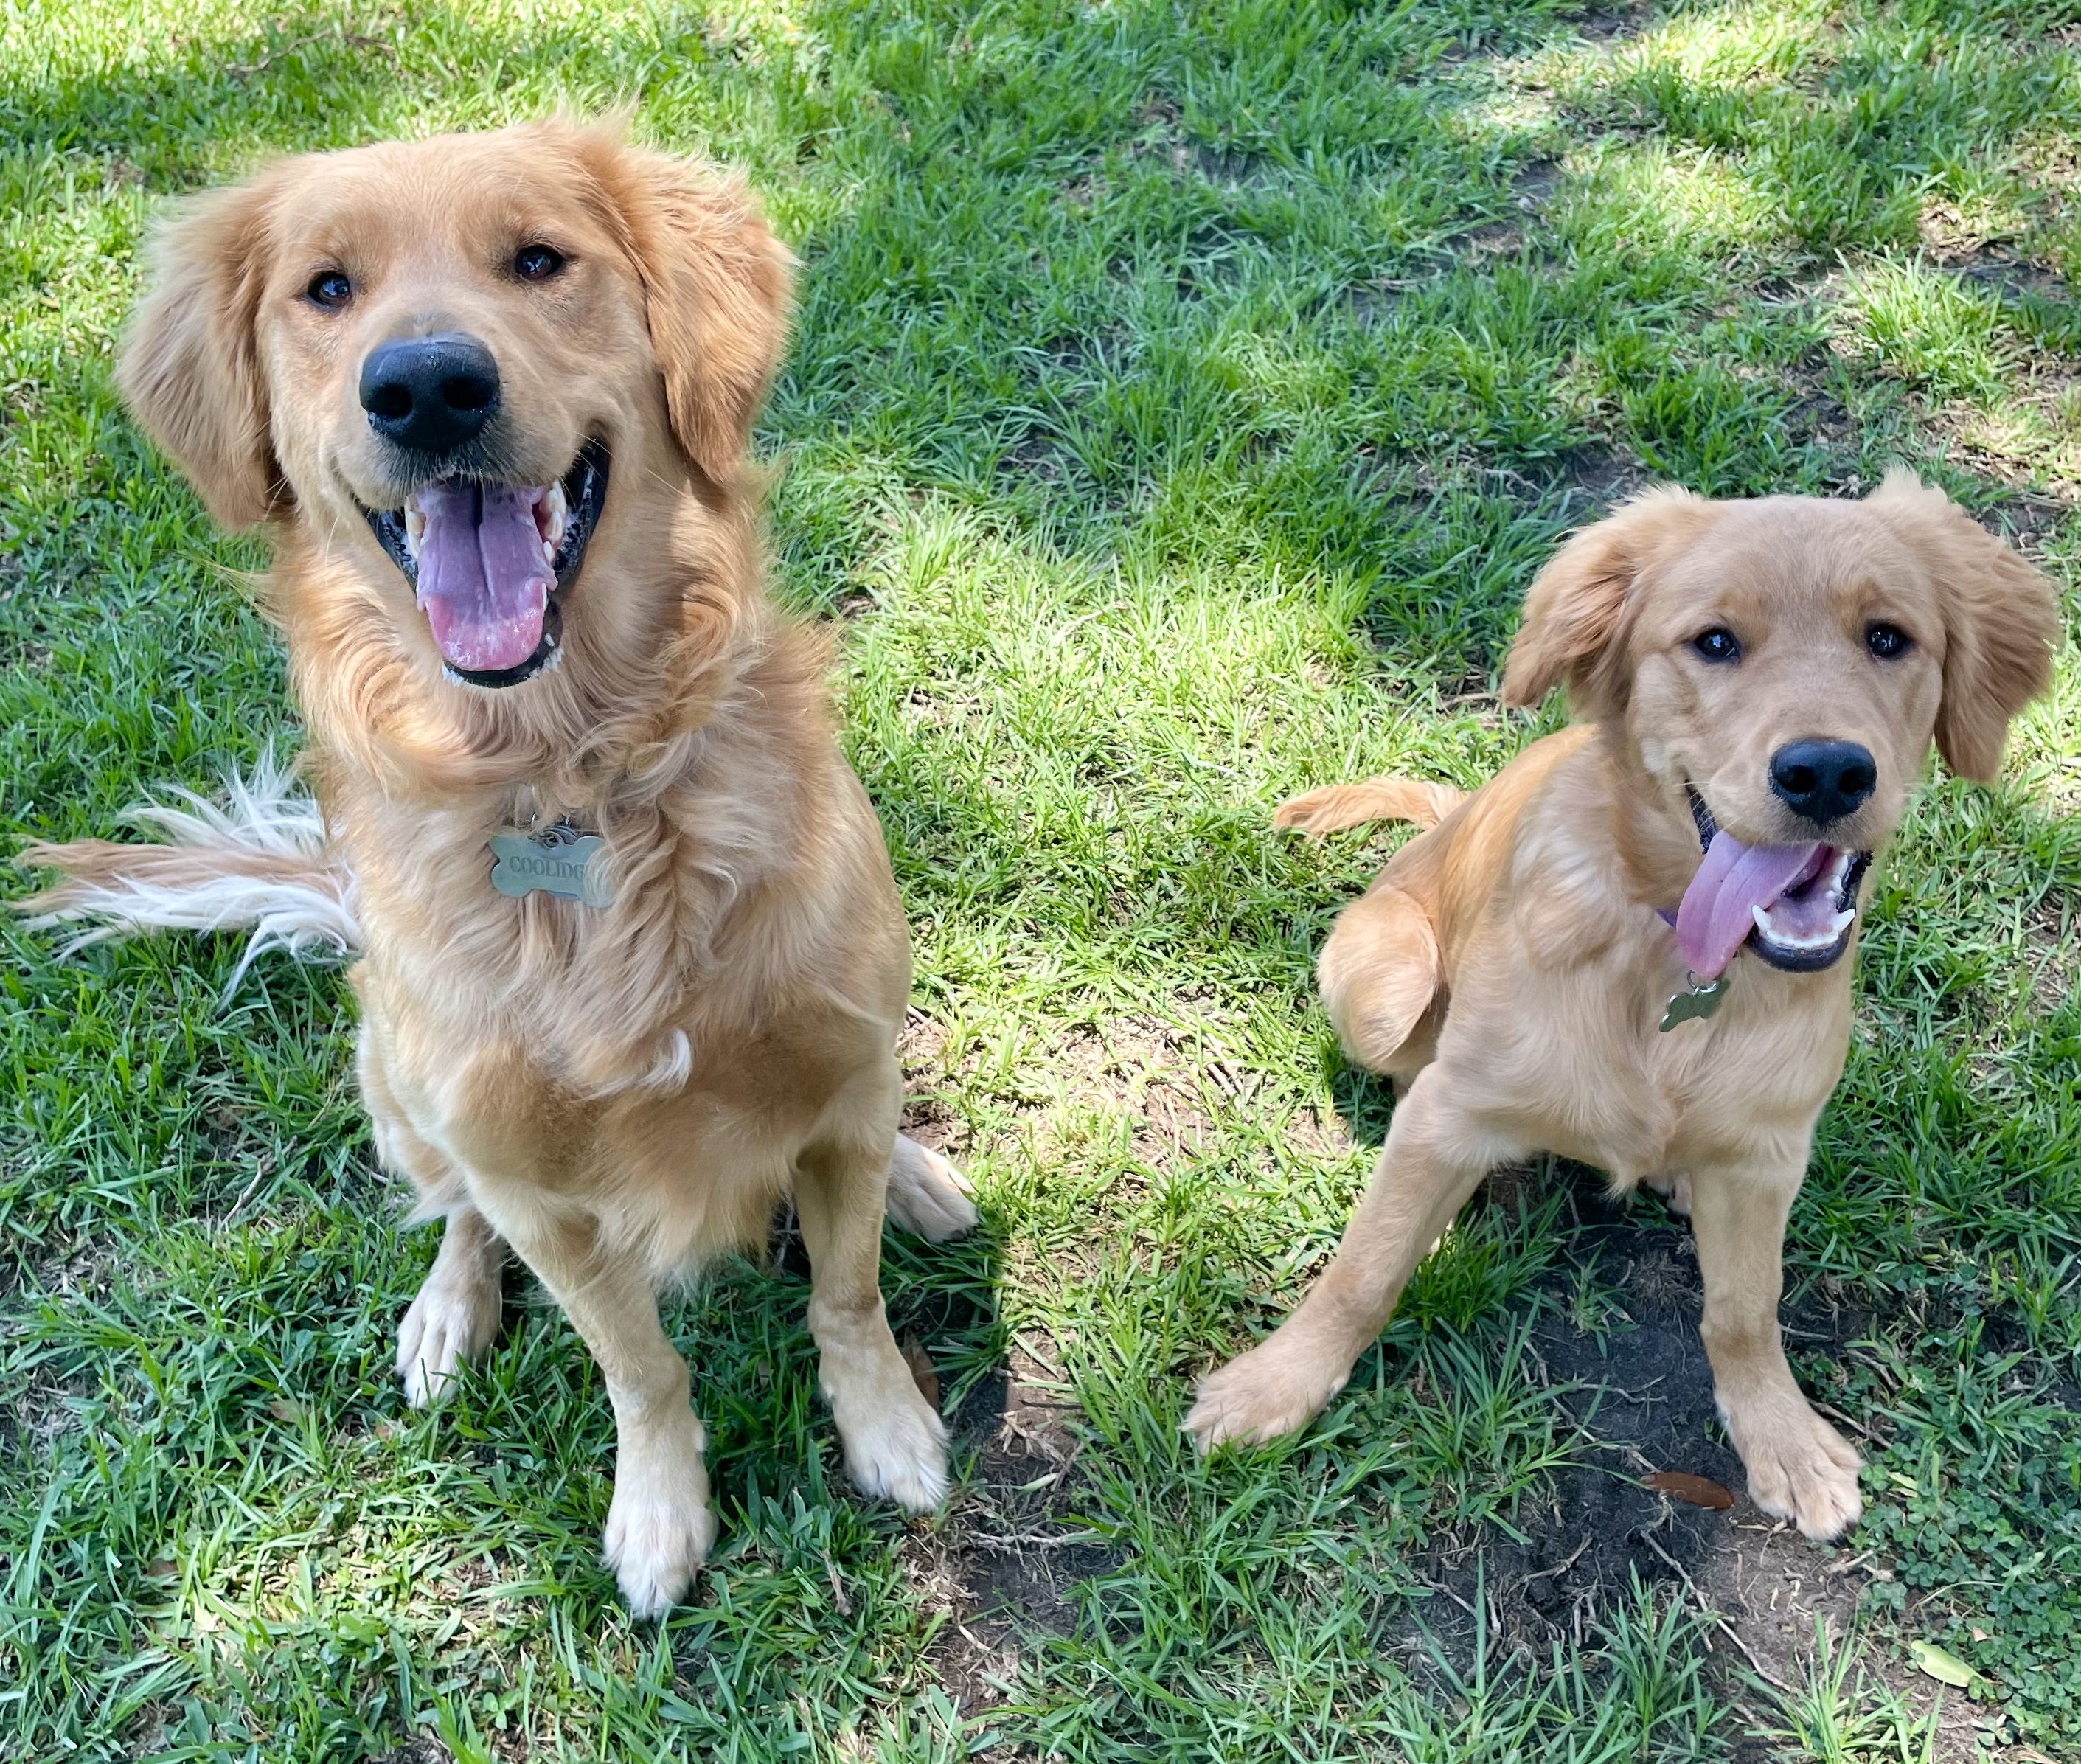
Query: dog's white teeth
{"type": "Point", "coordinates": [549, 553]}
{"type": "Point", "coordinates": [1842, 920]}
{"type": "Point", "coordinates": [415, 529]}
{"type": "Point", "coordinates": [1820, 939]}
{"type": "Point", "coordinates": [552, 512]}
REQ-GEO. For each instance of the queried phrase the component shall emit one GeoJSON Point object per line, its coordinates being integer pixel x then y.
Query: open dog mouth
{"type": "Point", "coordinates": [487, 562]}
{"type": "Point", "coordinates": [1795, 906]}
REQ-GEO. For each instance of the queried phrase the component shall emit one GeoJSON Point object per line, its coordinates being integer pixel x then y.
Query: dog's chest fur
{"type": "Point", "coordinates": [1578, 1063]}
{"type": "Point", "coordinates": [581, 997]}
{"type": "Point", "coordinates": [1558, 981]}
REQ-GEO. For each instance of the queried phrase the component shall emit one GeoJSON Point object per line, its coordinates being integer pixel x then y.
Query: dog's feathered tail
{"type": "Point", "coordinates": [1337, 805]}
{"type": "Point", "coordinates": [261, 863]}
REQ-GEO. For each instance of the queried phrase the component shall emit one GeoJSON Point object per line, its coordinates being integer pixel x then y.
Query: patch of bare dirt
{"type": "Point", "coordinates": [2004, 273]}
{"type": "Point", "coordinates": [1611, 23]}
{"type": "Point", "coordinates": [145, 1735]}
{"type": "Point", "coordinates": [1153, 1072]}
{"type": "Point", "coordinates": [1531, 188]}
{"type": "Point", "coordinates": [1170, 1077]}
{"type": "Point", "coordinates": [425, 1749]}
{"type": "Point", "coordinates": [1002, 1564]}
{"type": "Point", "coordinates": [1597, 478]}
{"type": "Point", "coordinates": [1641, 1391]}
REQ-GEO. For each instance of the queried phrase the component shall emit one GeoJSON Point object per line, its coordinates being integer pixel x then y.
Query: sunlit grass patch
{"type": "Point", "coordinates": [1940, 335]}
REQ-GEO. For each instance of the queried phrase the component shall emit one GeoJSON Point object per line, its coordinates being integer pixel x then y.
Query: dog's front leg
{"type": "Point", "coordinates": [1429, 1167]}
{"type": "Point", "coordinates": [895, 1444]}
{"type": "Point", "coordinates": [1799, 1467]}
{"type": "Point", "coordinates": [658, 1527]}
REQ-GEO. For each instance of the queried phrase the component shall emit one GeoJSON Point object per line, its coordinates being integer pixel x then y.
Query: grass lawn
{"type": "Point", "coordinates": [1182, 396]}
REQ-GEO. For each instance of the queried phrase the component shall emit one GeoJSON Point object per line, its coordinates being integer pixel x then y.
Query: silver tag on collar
{"type": "Point", "coordinates": [556, 860]}
{"type": "Point", "coordinates": [1695, 1000]}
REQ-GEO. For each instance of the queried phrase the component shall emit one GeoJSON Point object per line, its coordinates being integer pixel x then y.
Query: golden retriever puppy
{"type": "Point", "coordinates": [1632, 946]}
{"type": "Point", "coordinates": [634, 963]}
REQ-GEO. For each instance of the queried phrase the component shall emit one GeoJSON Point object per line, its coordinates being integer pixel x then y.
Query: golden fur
{"type": "Point", "coordinates": [614, 1092]}
{"type": "Point", "coordinates": [1509, 968]}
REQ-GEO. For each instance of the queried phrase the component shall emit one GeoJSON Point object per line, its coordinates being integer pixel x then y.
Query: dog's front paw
{"type": "Point", "coordinates": [1799, 1467]}
{"type": "Point", "coordinates": [659, 1528]}
{"type": "Point", "coordinates": [926, 1194]}
{"type": "Point", "coordinates": [895, 1444]}
{"type": "Point", "coordinates": [1275, 1389]}
{"type": "Point", "coordinates": [453, 1319]}
{"type": "Point", "coordinates": [898, 1451]}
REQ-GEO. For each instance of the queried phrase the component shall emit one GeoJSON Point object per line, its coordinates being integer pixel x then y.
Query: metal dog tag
{"type": "Point", "coordinates": [556, 859]}
{"type": "Point", "coordinates": [1695, 1000]}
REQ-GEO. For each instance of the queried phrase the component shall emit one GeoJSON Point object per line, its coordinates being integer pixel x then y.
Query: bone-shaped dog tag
{"type": "Point", "coordinates": [1695, 1001]}
{"type": "Point", "coordinates": [557, 860]}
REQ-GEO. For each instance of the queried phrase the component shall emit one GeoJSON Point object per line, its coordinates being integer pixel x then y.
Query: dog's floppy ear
{"type": "Point", "coordinates": [189, 370]}
{"type": "Point", "coordinates": [2001, 622]}
{"type": "Point", "coordinates": [715, 285]}
{"type": "Point", "coordinates": [1577, 608]}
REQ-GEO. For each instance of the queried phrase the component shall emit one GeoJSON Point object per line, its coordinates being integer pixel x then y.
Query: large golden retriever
{"type": "Point", "coordinates": [1633, 947]}
{"type": "Point", "coordinates": [491, 396]}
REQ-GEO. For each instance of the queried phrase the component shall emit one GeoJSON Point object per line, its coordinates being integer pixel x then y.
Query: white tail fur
{"type": "Point", "coordinates": [261, 863]}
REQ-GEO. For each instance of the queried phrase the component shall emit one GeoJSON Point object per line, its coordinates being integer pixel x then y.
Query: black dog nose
{"type": "Point", "coordinates": [430, 393]}
{"type": "Point", "coordinates": [1823, 780]}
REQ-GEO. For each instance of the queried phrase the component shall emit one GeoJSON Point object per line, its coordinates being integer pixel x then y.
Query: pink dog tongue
{"type": "Point", "coordinates": [483, 579]}
{"type": "Point", "coordinates": [1715, 917]}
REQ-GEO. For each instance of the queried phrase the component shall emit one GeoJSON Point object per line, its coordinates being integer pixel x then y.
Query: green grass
{"type": "Point", "coordinates": [1181, 399]}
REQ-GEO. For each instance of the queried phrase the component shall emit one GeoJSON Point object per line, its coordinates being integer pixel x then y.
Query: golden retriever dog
{"type": "Point", "coordinates": [634, 963]}
{"type": "Point", "coordinates": [1633, 947]}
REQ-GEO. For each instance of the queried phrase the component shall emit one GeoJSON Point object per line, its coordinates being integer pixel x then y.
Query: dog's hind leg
{"type": "Point", "coordinates": [454, 1317]}
{"type": "Point", "coordinates": [894, 1442]}
{"type": "Point", "coordinates": [1380, 973]}
{"type": "Point", "coordinates": [926, 1194]}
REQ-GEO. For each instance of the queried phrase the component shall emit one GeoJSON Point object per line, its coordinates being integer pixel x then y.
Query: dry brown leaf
{"type": "Point", "coordinates": [1696, 1490]}
{"type": "Point", "coordinates": [921, 1369]}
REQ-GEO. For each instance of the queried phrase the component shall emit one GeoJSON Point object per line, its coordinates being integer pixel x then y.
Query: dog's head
{"type": "Point", "coordinates": [469, 358]}
{"type": "Point", "coordinates": [1778, 670]}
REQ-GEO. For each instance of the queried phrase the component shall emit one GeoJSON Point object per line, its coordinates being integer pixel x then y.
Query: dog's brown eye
{"type": "Point", "coordinates": [1717, 645]}
{"type": "Point", "coordinates": [329, 289]}
{"type": "Point", "coordinates": [1888, 642]}
{"type": "Point", "coordinates": [536, 263]}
